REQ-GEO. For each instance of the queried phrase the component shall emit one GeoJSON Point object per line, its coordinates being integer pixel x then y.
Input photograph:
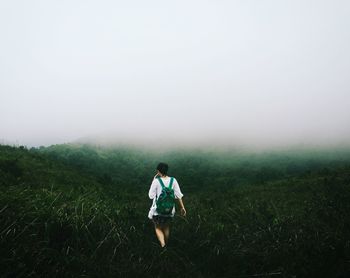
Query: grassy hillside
{"type": "Point", "coordinates": [23, 167]}
{"type": "Point", "coordinates": [80, 211]}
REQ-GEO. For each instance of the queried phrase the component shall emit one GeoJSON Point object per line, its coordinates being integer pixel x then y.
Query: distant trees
{"type": "Point", "coordinates": [192, 168]}
{"type": "Point", "coordinates": [135, 167]}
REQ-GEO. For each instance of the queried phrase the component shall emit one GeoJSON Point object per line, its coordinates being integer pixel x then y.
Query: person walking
{"type": "Point", "coordinates": [164, 190]}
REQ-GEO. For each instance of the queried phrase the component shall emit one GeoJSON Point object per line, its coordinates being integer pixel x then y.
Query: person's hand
{"type": "Point", "coordinates": [183, 211]}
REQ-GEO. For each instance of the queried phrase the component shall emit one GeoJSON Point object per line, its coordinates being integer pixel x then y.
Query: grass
{"type": "Point", "coordinates": [290, 228]}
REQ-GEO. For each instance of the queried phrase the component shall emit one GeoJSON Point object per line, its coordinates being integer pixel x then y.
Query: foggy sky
{"type": "Point", "coordinates": [247, 72]}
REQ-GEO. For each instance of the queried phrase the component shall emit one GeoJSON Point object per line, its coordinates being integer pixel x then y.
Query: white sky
{"type": "Point", "coordinates": [254, 72]}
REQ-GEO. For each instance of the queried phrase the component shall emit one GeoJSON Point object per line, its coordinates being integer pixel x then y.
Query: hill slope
{"type": "Point", "coordinates": [57, 222]}
{"type": "Point", "coordinates": [20, 166]}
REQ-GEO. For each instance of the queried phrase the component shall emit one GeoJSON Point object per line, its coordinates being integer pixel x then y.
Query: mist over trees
{"type": "Point", "coordinates": [196, 167]}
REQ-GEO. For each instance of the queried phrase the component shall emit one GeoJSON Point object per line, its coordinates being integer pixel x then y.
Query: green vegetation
{"type": "Point", "coordinates": [81, 211]}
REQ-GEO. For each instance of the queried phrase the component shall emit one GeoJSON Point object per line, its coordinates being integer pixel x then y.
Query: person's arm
{"type": "Point", "coordinates": [153, 190]}
{"type": "Point", "coordinates": [182, 207]}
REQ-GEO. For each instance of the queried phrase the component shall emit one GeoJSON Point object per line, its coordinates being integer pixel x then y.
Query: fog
{"type": "Point", "coordinates": [253, 73]}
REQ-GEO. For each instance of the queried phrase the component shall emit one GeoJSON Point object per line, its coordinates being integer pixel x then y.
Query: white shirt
{"type": "Point", "coordinates": [156, 189]}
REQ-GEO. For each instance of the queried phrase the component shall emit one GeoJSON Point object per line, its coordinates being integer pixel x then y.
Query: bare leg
{"type": "Point", "coordinates": [166, 232]}
{"type": "Point", "coordinates": [160, 235]}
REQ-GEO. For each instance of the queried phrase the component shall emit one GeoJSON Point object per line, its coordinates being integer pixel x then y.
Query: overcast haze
{"type": "Point", "coordinates": [245, 72]}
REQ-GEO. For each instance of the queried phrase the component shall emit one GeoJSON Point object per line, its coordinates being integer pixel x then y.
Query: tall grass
{"type": "Point", "coordinates": [290, 228]}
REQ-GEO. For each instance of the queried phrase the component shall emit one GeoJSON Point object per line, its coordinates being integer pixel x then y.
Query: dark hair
{"type": "Point", "coordinates": [163, 168]}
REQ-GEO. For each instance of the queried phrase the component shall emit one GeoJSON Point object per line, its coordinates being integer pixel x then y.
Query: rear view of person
{"type": "Point", "coordinates": [164, 190]}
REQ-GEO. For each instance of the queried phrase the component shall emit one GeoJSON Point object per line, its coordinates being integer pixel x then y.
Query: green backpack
{"type": "Point", "coordinates": [166, 199]}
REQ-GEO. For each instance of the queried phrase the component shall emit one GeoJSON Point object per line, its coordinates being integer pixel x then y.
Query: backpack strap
{"type": "Point", "coordinates": [161, 182]}
{"type": "Point", "coordinates": [163, 185]}
{"type": "Point", "coordinates": [171, 182]}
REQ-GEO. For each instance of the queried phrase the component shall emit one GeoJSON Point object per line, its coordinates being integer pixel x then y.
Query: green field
{"type": "Point", "coordinates": [81, 211]}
